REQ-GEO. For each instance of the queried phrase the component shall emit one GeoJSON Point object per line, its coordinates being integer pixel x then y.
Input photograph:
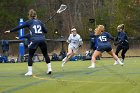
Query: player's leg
{"type": "Point", "coordinates": [70, 53]}
{"type": "Point", "coordinates": [43, 47]}
{"type": "Point", "coordinates": [115, 56]}
{"type": "Point", "coordinates": [30, 61]}
{"type": "Point", "coordinates": [68, 56]}
{"type": "Point", "coordinates": [123, 53]}
{"type": "Point", "coordinates": [95, 54]}
{"type": "Point", "coordinates": [118, 49]}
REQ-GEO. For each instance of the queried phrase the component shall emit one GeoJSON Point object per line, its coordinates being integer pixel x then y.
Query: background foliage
{"type": "Point", "coordinates": [107, 12]}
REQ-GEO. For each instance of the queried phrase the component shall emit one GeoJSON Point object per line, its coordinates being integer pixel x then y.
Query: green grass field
{"type": "Point", "coordinates": [76, 77]}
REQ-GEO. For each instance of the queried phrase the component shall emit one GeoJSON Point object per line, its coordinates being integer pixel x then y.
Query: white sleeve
{"type": "Point", "coordinates": [80, 41]}
{"type": "Point", "coordinates": [69, 39]}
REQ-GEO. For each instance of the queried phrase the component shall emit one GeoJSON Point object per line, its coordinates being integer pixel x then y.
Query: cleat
{"type": "Point", "coordinates": [116, 63]}
{"type": "Point", "coordinates": [122, 61]}
{"type": "Point", "coordinates": [63, 64]}
{"type": "Point", "coordinates": [28, 74]}
{"type": "Point", "coordinates": [49, 72]}
{"type": "Point", "coordinates": [91, 66]}
{"type": "Point", "coordinates": [121, 64]}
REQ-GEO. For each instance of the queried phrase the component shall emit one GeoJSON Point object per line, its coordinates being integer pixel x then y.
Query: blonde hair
{"type": "Point", "coordinates": [32, 14]}
{"type": "Point", "coordinates": [73, 29]}
{"type": "Point", "coordinates": [121, 26]}
{"type": "Point", "coordinates": [99, 29]}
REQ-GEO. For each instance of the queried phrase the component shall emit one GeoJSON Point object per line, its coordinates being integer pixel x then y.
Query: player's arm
{"type": "Point", "coordinates": [69, 39]}
{"type": "Point", "coordinates": [116, 38]}
{"type": "Point", "coordinates": [91, 35]}
{"type": "Point", "coordinates": [122, 38]}
{"type": "Point", "coordinates": [25, 36]}
{"type": "Point", "coordinates": [110, 37]}
{"type": "Point", "coordinates": [116, 42]}
{"type": "Point", "coordinates": [80, 42]}
{"type": "Point", "coordinates": [44, 29]}
{"type": "Point", "coordinates": [17, 28]}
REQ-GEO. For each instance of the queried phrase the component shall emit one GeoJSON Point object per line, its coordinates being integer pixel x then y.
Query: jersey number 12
{"type": "Point", "coordinates": [37, 28]}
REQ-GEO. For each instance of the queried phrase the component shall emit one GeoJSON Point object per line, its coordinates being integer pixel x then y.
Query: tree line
{"type": "Point", "coordinates": [82, 14]}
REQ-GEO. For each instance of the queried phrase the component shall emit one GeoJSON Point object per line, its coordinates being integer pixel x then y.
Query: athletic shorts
{"type": "Point", "coordinates": [73, 48]}
{"type": "Point", "coordinates": [106, 48]}
{"type": "Point", "coordinates": [36, 44]}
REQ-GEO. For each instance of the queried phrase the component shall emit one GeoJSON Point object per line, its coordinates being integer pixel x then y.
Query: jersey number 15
{"type": "Point", "coordinates": [103, 38]}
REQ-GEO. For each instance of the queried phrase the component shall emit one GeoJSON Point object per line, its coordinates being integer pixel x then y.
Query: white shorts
{"type": "Point", "coordinates": [73, 48]}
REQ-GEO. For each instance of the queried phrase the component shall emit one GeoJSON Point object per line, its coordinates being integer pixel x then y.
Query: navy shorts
{"type": "Point", "coordinates": [36, 44]}
{"type": "Point", "coordinates": [106, 48]}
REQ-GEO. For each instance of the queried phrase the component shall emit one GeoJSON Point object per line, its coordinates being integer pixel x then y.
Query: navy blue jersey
{"type": "Point", "coordinates": [27, 39]}
{"type": "Point", "coordinates": [103, 43]}
{"type": "Point", "coordinates": [96, 43]}
{"type": "Point", "coordinates": [104, 38]}
{"type": "Point", "coordinates": [27, 36]}
{"type": "Point", "coordinates": [93, 40]}
{"type": "Point", "coordinates": [36, 27]}
{"type": "Point", "coordinates": [92, 36]}
{"type": "Point", "coordinates": [122, 38]}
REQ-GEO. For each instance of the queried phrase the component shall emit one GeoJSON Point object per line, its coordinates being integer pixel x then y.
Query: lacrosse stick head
{"type": "Point", "coordinates": [62, 8]}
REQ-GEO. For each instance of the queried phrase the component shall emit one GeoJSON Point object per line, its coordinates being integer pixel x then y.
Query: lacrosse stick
{"type": "Point", "coordinates": [61, 9]}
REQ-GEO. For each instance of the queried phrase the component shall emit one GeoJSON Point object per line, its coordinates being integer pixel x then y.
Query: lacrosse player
{"type": "Point", "coordinates": [103, 45]}
{"type": "Point", "coordinates": [37, 30]}
{"type": "Point", "coordinates": [75, 41]}
{"type": "Point", "coordinates": [121, 42]}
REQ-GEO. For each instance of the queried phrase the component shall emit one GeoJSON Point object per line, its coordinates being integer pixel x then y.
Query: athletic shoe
{"type": "Point", "coordinates": [91, 66]}
{"type": "Point", "coordinates": [63, 64]}
{"type": "Point", "coordinates": [116, 63]}
{"type": "Point", "coordinates": [29, 73]}
{"type": "Point", "coordinates": [49, 71]}
{"type": "Point", "coordinates": [121, 64]}
{"type": "Point", "coordinates": [122, 60]}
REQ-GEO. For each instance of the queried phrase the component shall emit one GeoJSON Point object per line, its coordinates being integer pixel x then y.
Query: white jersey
{"type": "Point", "coordinates": [75, 41]}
